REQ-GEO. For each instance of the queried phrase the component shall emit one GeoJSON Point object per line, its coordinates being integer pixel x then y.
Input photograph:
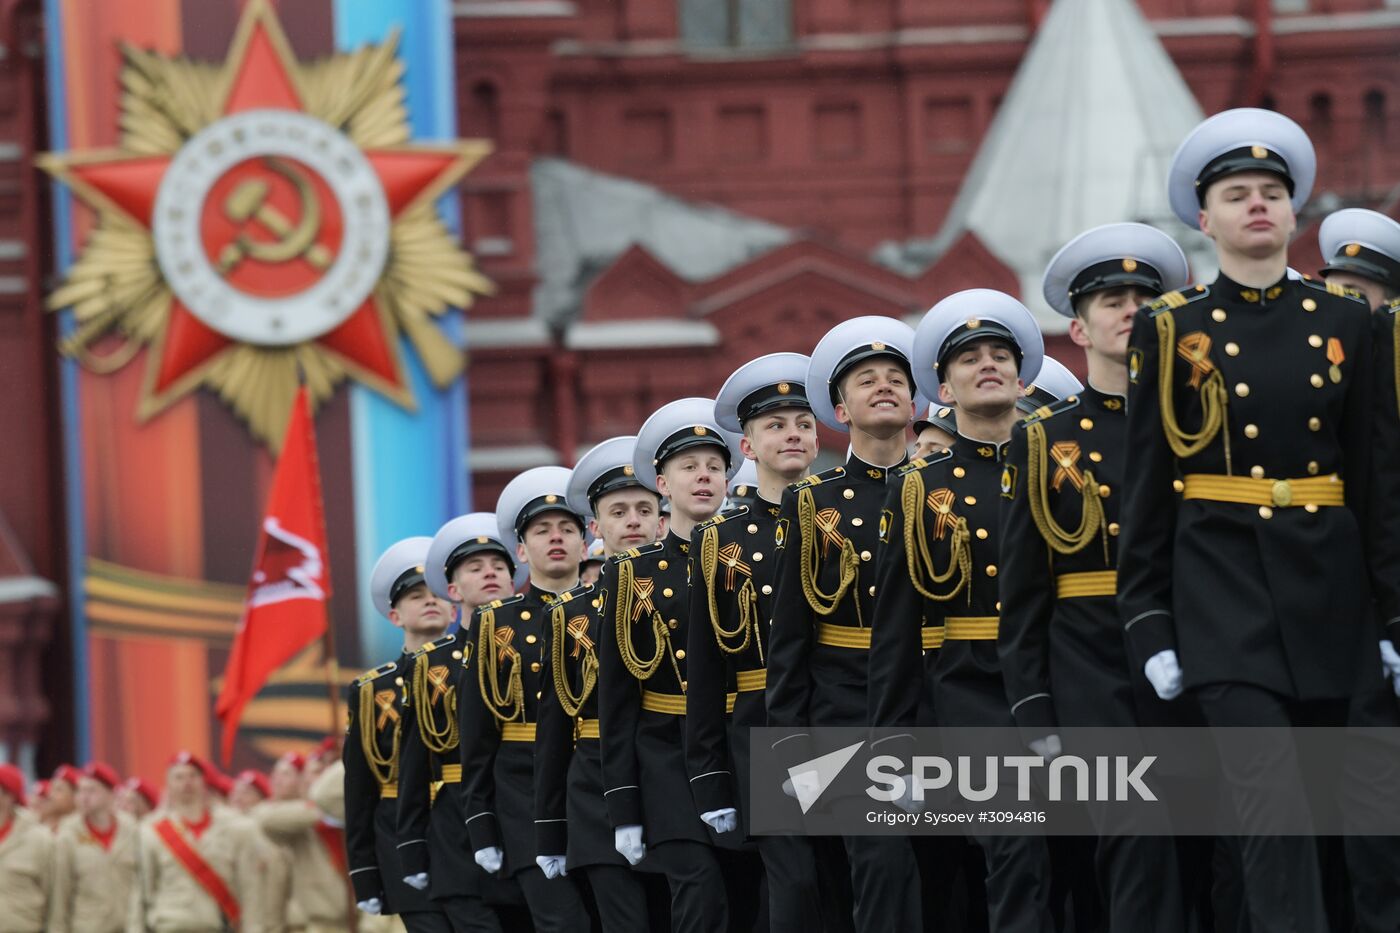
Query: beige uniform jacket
{"type": "Point", "coordinates": [26, 875]}
{"type": "Point", "coordinates": [168, 899]}
{"type": "Point", "coordinates": [92, 885]}
{"type": "Point", "coordinates": [319, 891]}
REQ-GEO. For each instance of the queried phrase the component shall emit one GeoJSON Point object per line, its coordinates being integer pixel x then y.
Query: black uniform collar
{"type": "Point", "coordinates": [967, 448]}
{"type": "Point", "coordinates": [1244, 294]}
{"type": "Point", "coordinates": [860, 471]}
{"type": "Point", "coordinates": [762, 506]}
{"type": "Point", "coordinates": [543, 595]}
{"type": "Point", "coordinates": [675, 542]}
{"type": "Point", "coordinates": [1094, 400]}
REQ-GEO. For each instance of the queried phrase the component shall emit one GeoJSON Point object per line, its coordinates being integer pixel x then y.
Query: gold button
{"type": "Point", "coordinates": [1312, 467]}
{"type": "Point", "coordinates": [1095, 456]}
{"type": "Point", "coordinates": [1113, 528]}
{"type": "Point", "coordinates": [1241, 389]}
{"type": "Point", "coordinates": [530, 639]}
{"type": "Point", "coordinates": [662, 565]}
{"type": "Point", "coordinates": [970, 500]}
{"type": "Point", "coordinates": [767, 590]}
{"type": "Point", "coordinates": [1178, 486]}
{"type": "Point", "coordinates": [1257, 472]}
{"type": "Point", "coordinates": [857, 521]}
{"type": "Point", "coordinates": [848, 493]}
{"type": "Point", "coordinates": [1232, 349]}
{"type": "Point", "coordinates": [959, 472]}
{"type": "Point", "coordinates": [673, 623]}
{"type": "Point", "coordinates": [680, 654]}
{"type": "Point", "coordinates": [684, 684]}
{"type": "Point", "coordinates": [1314, 340]}
{"type": "Point", "coordinates": [1265, 512]}
{"type": "Point", "coordinates": [998, 605]}
{"type": "Point", "coordinates": [752, 528]}
{"type": "Point", "coordinates": [1314, 424]}
{"type": "Point", "coordinates": [535, 666]}
{"type": "Point", "coordinates": [1310, 507]}
{"type": "Point", "coordinates": [668, 592]}
{"type": "Point", "coordinates": [598, 603]}
{"type": "Point", "coordinates": [1251, 431]}
{"type": "Point", "coordinates": [1218, 315]}
{"type": "Point", "coordinates": [872, 591]}
{"type": "Point", "coordinates": [1309, 304]}
{"type": "Point", "coordinates": [398, 681]}
{"type": "Point", "coordinates": [1104, 491]}
{"type": "Point", "coordinates": [981, 534]}
{"type": "Point", "coordinates": [1316, 380]}
{"type": "Point", "coordinates": [456, 655]}
{"type": "Point", "coordinates": [1086, 423]}
{"type": "Point", "coordinates": [525, 615]}
{"type": "Point", "coordinates": [991, 570]}
{"type": "Point", "coordinates": [539, 694]}
{"type": "Point", "coordinates": [865, 555]}
{"type": "Point", "coordinates": [758, 555]}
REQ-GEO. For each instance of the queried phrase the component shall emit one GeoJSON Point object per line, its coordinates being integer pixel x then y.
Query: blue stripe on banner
{"type": "Point", "coordinates": [68, 390]}
{"type": "Point", "coordinates": [410, 467]}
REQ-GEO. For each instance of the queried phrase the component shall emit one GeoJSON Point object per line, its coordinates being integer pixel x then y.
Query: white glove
{"type": "Point", "coordinates": [551, 865]}
{"type": "Point", "coordinates": [1163, 671]}
{"type": "Point", "coordinates": [723, 820]}
{"type": "Point", "coordinates": [906, 801]}
{"type": "Point", "coordinates": [1390, 663]}
{"type": "Point", "coordinates": [806, 782]}
{"type": "Point", "coordinates": [418, 882]}
{"type": "Point", "coordinates": [1050, 747]}
{"type": "Point", "coordinates": [371, 906]}
{"type": "Point", "coordinates": [489, 859]}
{"type": "Point", "coordinates": [628, 842]}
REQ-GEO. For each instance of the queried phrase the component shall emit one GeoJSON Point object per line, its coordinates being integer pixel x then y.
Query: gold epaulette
{"type": "Point", "coordinates": [499, 603]}
{"type": "Point", "coordinates": [387, 667]}
{"type": "Point", "coordinates": [723, 517]}
{"type": "Point", "coordinates": [434, 645]}
{"type": "Point", "coordinates": [1332, 288]}
{"type": "Point", "coordinates": [1393, 307]}
{"type": "Point", "coordinates": [578, 592]}
{"type": "Point", "coordinates": [624, 556]}
{"type": "Point", "coordinates": [816, 479]}
{"type": "Point", "coordinates": [1051, 410]}
{"type": "Point", "coordinates": [1177, 299]}
{"type": "Point", "coordinates": [918, 463]}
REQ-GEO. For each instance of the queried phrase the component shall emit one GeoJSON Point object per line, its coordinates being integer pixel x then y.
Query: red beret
{"type": "Point", "coordinates": [145, 788]}
{"type": "Point", "coordinates": [216, 781]}
{"type": "Point", "coordinates": [12, 781]}
{"type": "Point", "coordinates": [67, 773]}
{"type": "Point", "coordinates": [329, 747]}
{"type": "Point", "coordinates": [40, 789]}
{"type": "Point", "coordinates": [103, 773]}
{"type": "Point", "coordinates": [295, 759]}
{"type": "Point", "coordinates": [257, 779]}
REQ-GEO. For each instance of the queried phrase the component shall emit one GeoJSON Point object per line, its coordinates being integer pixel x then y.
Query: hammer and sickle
{"type": "Point", "coordinates": [248, 201]}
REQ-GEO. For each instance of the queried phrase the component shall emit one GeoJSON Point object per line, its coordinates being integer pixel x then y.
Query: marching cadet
{"type": "Point", "coordinates": [743, 488]}
{"type": "Point", "coordinates": [732, 571]}
{"type": "Point", "coordinates": [197, 868]}
{"type": "Point", "coordinates": [1055, 382]}
{"type": "Point", "coordinates": [935, 431]}
{"type": "Point", "coordinates": [1063, 655]}
{"type": "Point", "coordinates": [502, 685]}
{"type": "Point", "coordinates": [1241, 572]}
{"type": "Point", "coordinates": [682, 454]}
{"type": "Point", "coordinates": [976, 350]}
{"type": "Point", "coordinates": [95, 859]}
{"type": "Point", "coordinates": [571, 818]}
{"type": "Point", "coordinates": [469, 565]}
{"type": "Point", "coordinates": [374, 736]}
{"type": "Point", "coordinates": [137, 797]}
{"type": "Point", "coordinates": [1363, 253]}
{"type": "Point", "coordinates": [828, 529]}
{"type": "Point", "coordinates": [63, 793]}
{"type": "Point", "coordinates": [593, 560]}
{"type": "Point", "coordinates": [26, 860]}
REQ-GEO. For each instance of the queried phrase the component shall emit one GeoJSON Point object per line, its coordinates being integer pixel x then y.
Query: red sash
{"type": "Point", "coordinates": [334, 841]}
{"type": "Point", "coordinates": [199, 869]}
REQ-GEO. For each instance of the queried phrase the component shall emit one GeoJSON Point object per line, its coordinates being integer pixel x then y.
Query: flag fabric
{"type": "Point", "coordinates": [286, 606]}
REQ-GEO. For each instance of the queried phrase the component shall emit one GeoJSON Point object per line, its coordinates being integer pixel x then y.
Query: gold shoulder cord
{"type": "Point", "coordinates": [385, 769]}
{"type": "Point", "coordinates": [747, 599]}
{"type": "Point", "coordinates": [438, 739]}
{"type": "Point", "coordinates": [823, 604]}
{"type": "Point", "coordinates": [512, 704]}
{"type": "Point", "coordinates": [911, 497]}
{"type": "Point", "coordinates": [588, 665]}
{"type": "Point", "coordinates": [1092, 520]}
{"type": "Point", "coordinates": [1214, 399]}
{"type": "Point", "coordinates": [639, 669]}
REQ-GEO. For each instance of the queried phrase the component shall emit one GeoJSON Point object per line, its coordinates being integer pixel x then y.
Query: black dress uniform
{"type": "Point", "coordinates": [370, 755]}
{"type": "Point", "coordinates": [430, 814]}
{"type": "Point", "coordinates": [570, 814]}
{"type": "Point", "coordinates": [642, 687]}
{"type": "Point", "coordinates": [498, 720]}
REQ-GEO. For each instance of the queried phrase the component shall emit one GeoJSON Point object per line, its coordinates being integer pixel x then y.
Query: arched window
{"type": "Point", "coordinates": [1320, 114]}
{"type": "Point", "coordinates": [482, 114]}
{"type": "Point", "coordinates": [1373, 109]}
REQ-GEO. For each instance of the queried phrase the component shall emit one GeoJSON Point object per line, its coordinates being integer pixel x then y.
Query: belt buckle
{"type": "Point", "coordinates": [1282, 493]}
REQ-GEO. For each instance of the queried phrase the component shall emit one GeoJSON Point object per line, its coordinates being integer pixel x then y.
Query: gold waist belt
{"type": "Point", "coordinates": [843, 636]}
{"type": "Point", "coordinates": [1277, 493]}
{"type": "Point", "coordinates": [932, 636]}
{"type": "Point", "coordinates": [587, 729]}
{"type": "Point", "coordinates": [970, 628]}
{"type": "Point", "coordinates": [451, 774]}
{"type": "Point", "coordinates": [1093, 583]}
{"type": "Point", "coordinates": [517, 732]}
{"type": "Point", "coordinates": [751, 681]}
{"type": "Point", "coordinates": [673, 704]}
{"type": "Point", "coordinates": [389, 791]}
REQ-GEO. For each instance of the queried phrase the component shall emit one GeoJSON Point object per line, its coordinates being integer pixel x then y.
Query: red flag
{"type": "Point", "coordinates": [286, 606]}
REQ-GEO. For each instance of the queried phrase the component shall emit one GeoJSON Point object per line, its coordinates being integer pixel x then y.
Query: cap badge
{"type": "Point", "coordinates": [784, 388]}
{"type": "Point", "coordinates": [1129, 265]}
{"type": "Point", "coordinates": [1352, 249]}
{"type": "Point", "coordinates": [701, 430]}
{"type": "Point", "coordinates": [551, 498]}
{"type": "Point", "coordinates": [877, 345]}
{"type": "Point", "coordinates": [1259, 152]}
{"type": "Point", "coordinates": [973, 323]}
{"type": "Point", "coordinates": [627, 469]}
{"type": "Point", "coordinates": [481, 539]}
{"type": "Point", "coordinates": [944, 412]}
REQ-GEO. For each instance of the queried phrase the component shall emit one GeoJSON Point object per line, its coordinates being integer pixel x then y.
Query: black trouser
{"type": "Point", "coordinates": [884, 882]}
{"type": "Point", "coordinates": [1282, 876]}
{"type": "Point", "coordinates": [425, 921]}
{"type": "Point", "coordinates": [621, 898]}
{"type": "Point", "coordinates": [1018, 884]}
{"type": "Point", "coordinates": [1371, 788]}
{"type": "Point", "coordinates": [698, 901]}
{"type": "Point", "coordinates": [469, 914]}
{"type": "Point", "coordinates": [794, 900]}
{"type": "Point", "coordinates": [555, 905]}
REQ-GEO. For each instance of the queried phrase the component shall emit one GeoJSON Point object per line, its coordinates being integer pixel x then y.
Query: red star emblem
{"type": "Point", "coordinates": [271, 226]}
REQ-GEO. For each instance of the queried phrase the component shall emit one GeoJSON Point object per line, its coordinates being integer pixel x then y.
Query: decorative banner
{"type": "Point", "coordinates": [219, 164]}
